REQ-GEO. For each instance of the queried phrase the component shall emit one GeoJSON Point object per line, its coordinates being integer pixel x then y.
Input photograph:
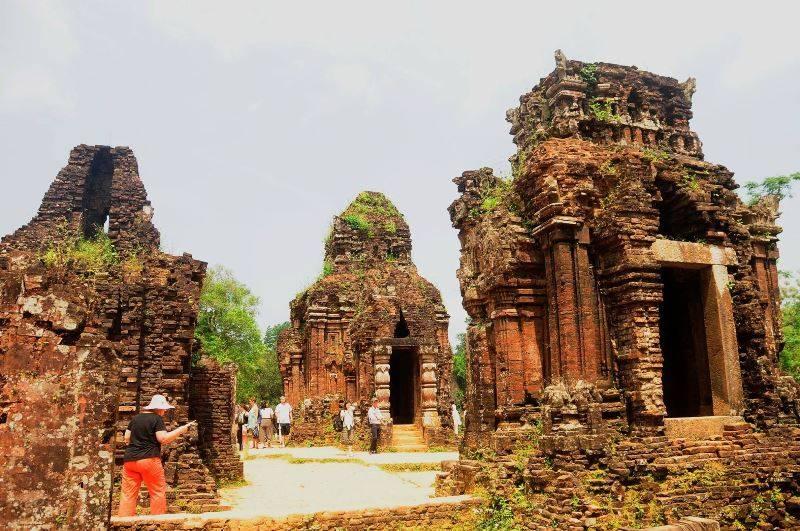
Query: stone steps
{"type": "Point", "coordinates": [408, 438]}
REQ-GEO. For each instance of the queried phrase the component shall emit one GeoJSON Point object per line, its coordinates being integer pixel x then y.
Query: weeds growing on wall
{"type": "Point", "coordinates": [93, 255]}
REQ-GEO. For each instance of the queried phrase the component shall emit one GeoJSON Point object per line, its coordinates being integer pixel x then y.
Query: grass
{"type": "Point", "coordinates": [410, 467]}
{"type": "Point", "coordinates": [307, 460]}
{"type": "Point", "coordinates": [233, 483]}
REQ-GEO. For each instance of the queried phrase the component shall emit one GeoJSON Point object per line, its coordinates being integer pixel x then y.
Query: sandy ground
{"type": "Point", "coordinates": [278, 488]}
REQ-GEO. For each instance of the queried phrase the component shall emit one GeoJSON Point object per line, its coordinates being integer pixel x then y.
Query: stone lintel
{"type": "Point", "coordinates": [691, 255]}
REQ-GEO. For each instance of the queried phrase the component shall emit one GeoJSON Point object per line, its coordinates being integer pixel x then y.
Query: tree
{"type": "Point", "coordinates": [790, 312]}
{"type": "Point", "coordinates": [779, 186]}
{"type": "Point", "coordinates": [228, 331]}
{"type": "Point", "coordinates": [460, 370]}
{"type": "Point", "coordinates": [272, 371]}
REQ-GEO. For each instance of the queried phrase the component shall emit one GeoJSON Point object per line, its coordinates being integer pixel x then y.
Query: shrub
{"type": "Point", "coordinates": [94, 255]}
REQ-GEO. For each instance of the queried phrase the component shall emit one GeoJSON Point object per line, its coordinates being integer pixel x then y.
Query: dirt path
{"type": "Point", "coordinates": [286, 481]}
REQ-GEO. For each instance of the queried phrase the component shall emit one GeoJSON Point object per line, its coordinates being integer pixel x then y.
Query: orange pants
{"type": "Point", "coordinates": [152, 473]}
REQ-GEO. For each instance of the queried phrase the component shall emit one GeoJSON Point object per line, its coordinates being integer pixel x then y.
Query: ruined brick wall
{"type": "Point", "coordinates": [213, 404]}
{"type": "Point", "coordinates": [368, 303]}
{"type": "Point", "coordinates": [564, 266]}
{"type": "Point", "coordinates": [117, 319]}
{"type": "Point", "coordinates": [605, 479]}
{"type": "Point", "coordinates": [58, 374]}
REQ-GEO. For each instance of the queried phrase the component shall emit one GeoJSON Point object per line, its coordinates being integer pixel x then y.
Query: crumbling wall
{"type": "Point", "coordinates": [94, 319]}
{"type": "Point", "coordinates": [58, 402]}
{"type": "Point", "coordinates": [213, 405]}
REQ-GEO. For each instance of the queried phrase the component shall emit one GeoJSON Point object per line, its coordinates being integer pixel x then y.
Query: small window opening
{"type": "Point", "coordinates": [401, 328]}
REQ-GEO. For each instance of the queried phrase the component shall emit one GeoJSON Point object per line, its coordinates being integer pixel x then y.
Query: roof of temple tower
{"type": "Point", "coordinates": [370, 229]}
{"type": "Point", "coordinates": [607, 103]}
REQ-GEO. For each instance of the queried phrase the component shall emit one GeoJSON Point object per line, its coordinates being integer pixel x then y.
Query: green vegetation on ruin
{"type": "Point", "coordinates": [93, 255]}
{"type": "Point", "coordinates": [779, 186]}
{"type": "Point", "coordinates": [602, 110]}
{"type": "Point", "coordinates": [589, 76]}
{"type": "Point", "coordinates": [369, 210]}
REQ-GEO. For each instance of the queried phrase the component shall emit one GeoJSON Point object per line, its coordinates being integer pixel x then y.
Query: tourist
{"type": "Point", "coordinates": [142, 460]}
{"type": "Point", "coordinates": [240, 419]}
{"type": "Point", "coordinates": [265, 431]}
{"type": "Point", "coordinates": [456, 417]}
{"type": "Point", "coordinates": [348, 425]}
{"type": "Point", "coordinates": [374, 416]}
{"type": "Point", "coordinates": [283, 413]}
{"type": "Point", "coordinates": [252, 423]}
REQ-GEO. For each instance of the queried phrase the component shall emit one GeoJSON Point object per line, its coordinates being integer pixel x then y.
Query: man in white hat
{"type": "Point", "coordinates": [145, 435]}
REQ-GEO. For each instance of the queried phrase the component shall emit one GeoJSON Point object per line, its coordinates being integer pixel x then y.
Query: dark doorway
{"type": "Point", "coordinates": [402, 385]}
{"type": "Point", "coordinates": [686, 379]}
{"type": "Point", "coordinates": [97, 193]}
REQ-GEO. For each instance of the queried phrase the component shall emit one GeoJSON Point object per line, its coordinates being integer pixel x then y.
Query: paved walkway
{"type": "Point", "coordinates": [279, 488]}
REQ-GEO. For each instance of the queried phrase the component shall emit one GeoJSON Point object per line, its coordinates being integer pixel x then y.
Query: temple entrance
{"type": "Point", "coordinates": [686, 378]}
{"type": "Point", "coordinates": [403, 382]}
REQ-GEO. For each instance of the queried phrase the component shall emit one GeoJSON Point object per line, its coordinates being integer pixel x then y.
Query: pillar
{"type": "Point", "coordinates": [427, 384]}
{"type": "Point", "coordinates": [573, 319]}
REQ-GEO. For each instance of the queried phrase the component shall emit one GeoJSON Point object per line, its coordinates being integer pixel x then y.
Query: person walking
{"type": "Point", "coordinates": [241, 415]}
{"type": "Point", "coordinates": [144, 436]}
{"type": "Point", "coordinates": [265, 431]}
{"type": "Point", "coordinates": [283, 413]}
{"type": "Point", "coordinates": [348, 425]}
{"type": "Point", "coordinates": [374, 417]}
{"type": "Point", "coordinates": [456, 417]}
{"type": "Point", "coordinates": [252, 423]}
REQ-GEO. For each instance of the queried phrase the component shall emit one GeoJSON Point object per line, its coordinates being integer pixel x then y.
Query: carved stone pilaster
{"type": "Point", "coordinates": [428, 384]}
{"type": "Point", "coordinates": [382, 378]}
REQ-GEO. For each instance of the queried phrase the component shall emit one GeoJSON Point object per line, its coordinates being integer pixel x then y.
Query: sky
{"type": "Point", "coordinates": [254, 123]}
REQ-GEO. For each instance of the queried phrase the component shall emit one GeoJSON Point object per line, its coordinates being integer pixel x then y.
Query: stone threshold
{"type": "Point", "coordinates": [698, 428]}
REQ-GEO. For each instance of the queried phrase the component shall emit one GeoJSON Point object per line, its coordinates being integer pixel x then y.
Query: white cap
{"type": "Point", "coordinates": [158, 402]}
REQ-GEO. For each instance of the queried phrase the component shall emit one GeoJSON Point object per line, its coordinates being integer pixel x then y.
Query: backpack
{"type": "Point", "coordinates": [338, 425]}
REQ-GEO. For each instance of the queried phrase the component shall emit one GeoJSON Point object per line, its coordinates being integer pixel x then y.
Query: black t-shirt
{"type": "Point", "coordinates": [143, 428]}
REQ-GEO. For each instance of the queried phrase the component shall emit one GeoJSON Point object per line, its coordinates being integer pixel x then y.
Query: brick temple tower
{"type": "Point", "coordinates": [616, 256]}
{"type": "Point", "coordinates": [370, 325]}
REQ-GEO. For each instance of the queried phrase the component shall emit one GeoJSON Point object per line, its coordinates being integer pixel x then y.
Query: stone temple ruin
{"type": "Point", "coordinates": [624, 307]}
{"type": "Point", "coordinates": [369, 326]}
{"type": "Point", "coordinates": [94, 319]}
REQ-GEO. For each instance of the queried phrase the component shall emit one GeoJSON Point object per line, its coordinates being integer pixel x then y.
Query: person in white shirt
{"type": "Point", "coordinates": [348, 424]}
{"type": "Point", "coordinates": [265, 431]}
{"type": "Point", "coordinates": [283, 414]}
{"type": "Point", "coordinates": [252, 423]}
{"type": "Point", "coordinates": [374, 417]}
{"type": "Point", "coordinates": [456, 418]}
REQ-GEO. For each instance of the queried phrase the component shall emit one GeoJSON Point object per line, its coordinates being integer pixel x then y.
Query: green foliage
{"type": "Point", "coordinates": [391, 257]}
{"type": "Point", "coordinates": [327, 268]}
{"type": "Point", "coordinates": [778, 185]}
{"type": "Point", "coordinates": [228, 332]}
{"type": "Point", "coordinates": [460, 370]}
{"type": "Point", "coordinates": [689, 180]}
{"type": "Point", "coordinates": [497, 515]}
{"type": "Point", "coordinates": [654, 155]}
{"type": "Point", "coordinates": [371, 207]}
{"type": "Point", "coordinates": [358, 222]}
{"type": "Point", "coordinates": [589, 76]}
{"type": "Point", "coordinates": [94, 255]}
{"type": "Point", "coordinates": [790, 312]}
{"type": "Point", "coordinates": [602, 110]}
{"type": "Point", "coordinates": [492, 198]}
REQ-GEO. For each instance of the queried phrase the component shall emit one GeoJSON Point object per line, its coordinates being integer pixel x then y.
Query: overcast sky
{"type": "Point", "coordinates": [255, 122]}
